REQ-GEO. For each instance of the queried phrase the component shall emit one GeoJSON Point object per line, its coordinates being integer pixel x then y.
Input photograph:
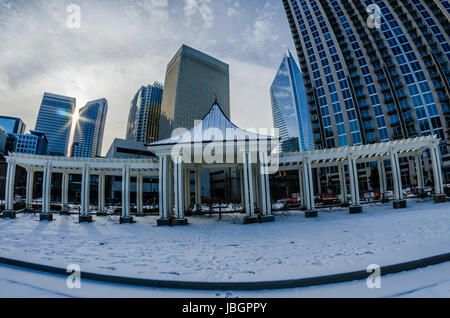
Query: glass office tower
{"type": "Point", "coordinates": [367, 84]}
{"type": "Point", "coordinates": [145, 112]}
{"type": "Point", "coordinates": [55, 121]}
{"type": "Point", "coordinates": [290, 108]}
{"type": "Point", "coordinates": [193, 82]}
{"type": "Point", "coordinates": [89, 129]}
{"type": "Point", "coordinates": [12, 125]}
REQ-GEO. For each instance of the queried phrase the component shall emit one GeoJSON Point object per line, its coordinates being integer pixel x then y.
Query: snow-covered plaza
{"type": "Point", "coordinates": [215, 250]}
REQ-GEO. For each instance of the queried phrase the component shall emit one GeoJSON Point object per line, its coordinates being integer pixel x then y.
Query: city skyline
{"type": "Point", "coordinates": [96, 59]}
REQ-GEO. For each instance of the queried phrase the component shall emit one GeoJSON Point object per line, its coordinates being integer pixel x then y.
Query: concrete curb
{"type": "Point", "coordinates": [291, 283]}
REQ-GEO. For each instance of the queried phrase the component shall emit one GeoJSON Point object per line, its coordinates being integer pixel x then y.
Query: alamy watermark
{"type": "Point", "coordinates": [74, 18]}
{"type": "Point", "coordinates": [73, 281]}
{"type": "Point", "coordinates": [374, 20]}
{"type": "Point", "coordinates": [374, 280]}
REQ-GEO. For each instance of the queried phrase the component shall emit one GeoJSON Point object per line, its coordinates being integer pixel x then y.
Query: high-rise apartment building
{"type": "Point", "coordinates": [55, 121]}
{"type": "Point", "coordinates": [145, 113]}
{"type": "Point", "coordinates": [368, 83]}
{"type": "Point", "coordinates": [193, 82]}
{"type": "Point", "coordinates": [34, 143]}
{"type": "Point", "coordinates": [89, 130]}
{"type": "Point", "coordinates": [12, 125]}
{"type": "Point", "coordinates": [290, 107]}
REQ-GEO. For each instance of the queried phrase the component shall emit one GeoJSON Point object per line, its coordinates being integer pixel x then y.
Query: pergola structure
{"type": "Point", "coordinates": [350, 156]}
{"type": "Point", "coordinates": [126, 168]}
{"type": "Point", "coordinates": [214, 142]}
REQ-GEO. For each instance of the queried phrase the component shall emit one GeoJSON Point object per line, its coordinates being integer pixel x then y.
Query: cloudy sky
{"type": "Point", "coordinates": [123, 44]}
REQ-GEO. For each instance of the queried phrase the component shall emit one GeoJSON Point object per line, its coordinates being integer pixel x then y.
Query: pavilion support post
{"type": "Point", "coordinates": [342, 184]}
{"type": "Point", "coordinates": [440, 196]}
{"type": "Point", "coordinates": [64, 192]}
{"type": "Point", "coordinates": [101, 194]}
{"type": "Point", "coordinates": [46, 214]}
{"type": "Point", "coordinates": [126, 187]}
{"type": "Point", "coordinates": [265, 190]}
{"type": "Point", "coordinates": [163, 192]}
{"type": "Point", "coordinates": [354, 185]}
{"type": "Point", "coordinates": [382, 180]}
{"type": "Point", "coordinates": [187, 189]}
{"type": "Point", "coordinates": [250, 217]}
{"type": "Point", "coordinates": [85, 216]}
{"type": "Point", "coordinates": [179, 193]}
{"type": "Point", "coordinates": [29, 190]}
{"type": "Point", "coordinates": [257, 189]}
{"type": "Point", "coordinates": [198, 190]}
{"type": "Point", "coordinates": [399, 202]}
{"type": "Point", "coordinates": [302, 189]}
{"type": "Point", "coordinates": [241, 173]}
{"type": "Point", "coordinates": [140, 193]}
{"type": "Point", "coordinates": [309, 189]}
{"type": "Point", "coordinates": [9, 189]}
{"type": "Point", "coordinates": [419, 171]}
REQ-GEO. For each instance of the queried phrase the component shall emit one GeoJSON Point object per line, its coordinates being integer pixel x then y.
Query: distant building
{"type": "Point", "coordinates": [193, 82]}
{"type": "Point", "coordinates": [89, 130]}
{"type": "Point", "coordinates": [12, 125]}
{"type": "Point", "coordinates": [3, 138]}
{"type": "Point", "coordinates": [55, 121]}
{"type": "Point", "coordinates": [145, 113]}
{"type": "Point", "coordinates": [34, 143]}
{"type": "Point", "coordinates": [290, 108]}
{"type": "Point", "coordinates": [127, 149]}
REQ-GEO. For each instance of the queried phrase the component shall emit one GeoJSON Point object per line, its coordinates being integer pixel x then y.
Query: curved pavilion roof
{"type": "Point", "coordinates": [215, 127]}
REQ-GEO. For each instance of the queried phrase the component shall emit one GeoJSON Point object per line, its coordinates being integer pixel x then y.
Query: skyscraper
{"type": "Point", "coordinates": [193, 82]}
{"type": "Point", "coordinates": [367, 84]}
{"type": "Point", "coordinates": [12, 125]}
{"type": "Point", "coordinates": [145, 113]}
{"type": "Point", "coordinates": [290, 107]}
{"type": "Point", "coordinates": [88, 138]}
{"type": "Point", "coordinates": [55, 121]}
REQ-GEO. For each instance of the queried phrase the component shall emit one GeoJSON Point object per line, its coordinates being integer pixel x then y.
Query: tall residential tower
{"type": "Point", "coordinates": [145, 113]}
{"type": "Point", "coordinates": [193, 82]}
{"type": "Point", "coordinates": [290, 108]}
{"type": "Point", "coordinates": [368, 83]}
{"type": "Point", "coordinates": [89, 129]}
{"type": "Point", "coordinates": [55, 121]}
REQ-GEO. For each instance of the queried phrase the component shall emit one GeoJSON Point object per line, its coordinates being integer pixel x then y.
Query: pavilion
{"type": "Point", "coordinates": [217, 142]}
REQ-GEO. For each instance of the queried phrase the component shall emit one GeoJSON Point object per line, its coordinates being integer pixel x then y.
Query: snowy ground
{"type": "Point", "coordinates": [430, 282]}
{"type": "Point", "coordinates": [212, 250]}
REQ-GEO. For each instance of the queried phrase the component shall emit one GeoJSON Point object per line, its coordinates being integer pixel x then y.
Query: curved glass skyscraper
{"type": "Point", "coordinates": [290, 109]}
{"type": "Point", "coordinates": [367, 83]}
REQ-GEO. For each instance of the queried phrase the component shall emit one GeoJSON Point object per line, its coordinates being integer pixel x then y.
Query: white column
{"type": "Point", "coordinates": [165, 187]}
{"type": "Point", "coordinates": [352, 179]}
{"type": "Point", "coordinates": [437, 172]}
{"type": "Point", "coordinates": [307, 184]}
{"type": "Point", "coordinates": [140, 192]}
{"type": "Point", "coordinates": [86, 191]}
{"type": "Point", "coordinates": [246, 195]}
{"type": "Point", "coordinates": [162, 213]}
{"type": "Point", "coordinates": [381, 176]}
{"type": "Point", "coordinates": [342, 183]}
{"type": "Point", "coordinates": [262, 173]}
{"type": "Point", "coordinates": [187, 189]}
{"type": "Point", "coordinates": [257, 187]}
{"type": "Point", "coordinates": [301, 188]}
{"type": "Point", "coordinates": [198, 188]}
{"type": "Point", "coordinates": [179, 189]}
{"type": "Point", "coordinates": [267, 184]}
{"type": "Point", "coordinates": [101, 192]}
{"type": "Point", "coordinates": [241, 173]}
{"type": "Point", "coordinates": [29, 189]}
{"type": "Point", "coordinates": [311, 186]}
{"type": "Point", "coordinates": [10, 184]}
{"type": "Point", "coordinates": [126, 191]}
{"type": "Point", "coordinates": [395, 175]}
{"type": "Point", "coordinates": [250, 182]}
{"type": "Point", "coordinates": [46, 188]}
{"type": "Point", "coordinates": [176, 188]}
{"type": "Point", "coordinates": [419, 171]}
{"type": "Point", "coordinates": [355, 175]}
{"type": "Point", "coordinates": [64, 190]}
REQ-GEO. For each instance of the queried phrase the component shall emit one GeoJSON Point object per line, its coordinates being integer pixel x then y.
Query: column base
{"type": "Point", "coordinates": [46, 217]}
{"type": "Point", "coordinates": [164, 222]}
{"type": "Point", "coordinates": [399, 204]}
{"type": "Point", "coordinates": [440, 198]}
{"type": "Point", "coordinates": [85, 219]}
{"type": "Point", "coordinates": [127, 220]}
{"type": "Point", "coordinates": [181, 222]}
{"type": "Point", "coordinates": [251, 219]}
{"type": "Point", "coordinates": [311, 214]}
{"type": "Point", "coordinates": [267, 218]}
{"type": "Point", "coordinates": [355, 209]}
{"type": "Point", "coordinates": [64, 212]}
{"type": "Point", "coordinates": [384, 200]}
{"type": "Point", "coordinates": [9, 214]}
{"type": "Point", "coordinates": [101, 214]}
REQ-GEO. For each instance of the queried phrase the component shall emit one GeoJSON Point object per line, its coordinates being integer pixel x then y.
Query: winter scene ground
{"type": "Point", "coordinates": [224, 250]}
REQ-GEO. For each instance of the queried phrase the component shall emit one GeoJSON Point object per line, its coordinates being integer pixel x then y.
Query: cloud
{"type": "Point", "coordinates": [202, 7]}
{"type": "Point", "coordinates": [262, 31]}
